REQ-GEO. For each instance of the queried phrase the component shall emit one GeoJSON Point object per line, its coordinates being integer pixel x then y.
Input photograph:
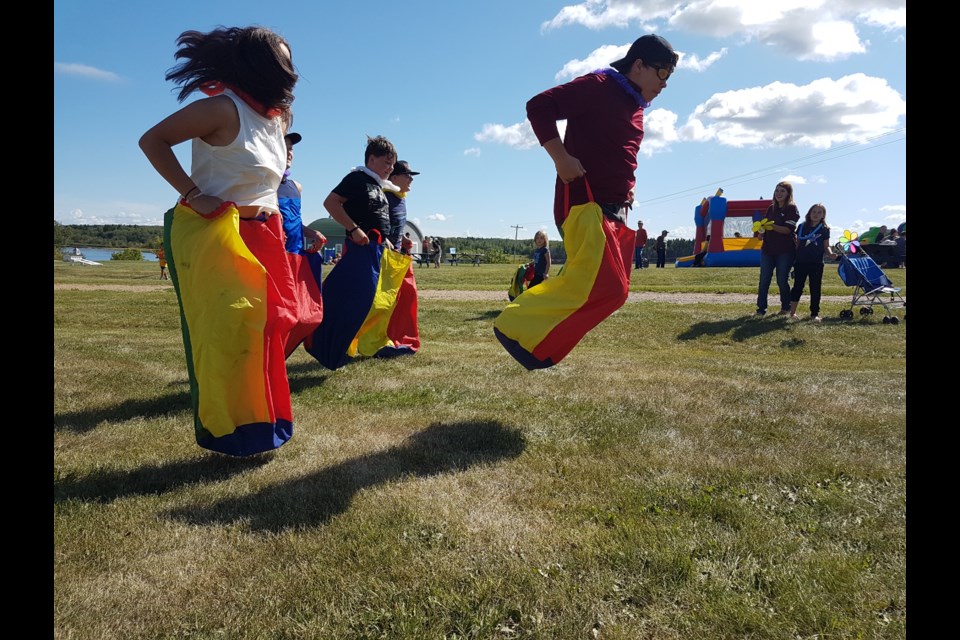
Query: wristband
{"type": "Point", "coordinates": [187, 194]}
{"type": "Point", "coordinates": [350, 233]}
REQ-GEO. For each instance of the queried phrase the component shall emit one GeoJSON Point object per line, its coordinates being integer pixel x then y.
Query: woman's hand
{"type": "Point", "coordinates": [204, 204]}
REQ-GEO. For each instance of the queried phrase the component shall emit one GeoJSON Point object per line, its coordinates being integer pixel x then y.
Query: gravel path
{"type": "Point", "coordinates": [436, 294]}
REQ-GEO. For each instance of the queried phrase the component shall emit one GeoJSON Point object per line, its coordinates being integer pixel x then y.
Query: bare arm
{"type": "Point", "coordinates": [215, 120]}
{"type": "Point", "coordinates": [334, 206]}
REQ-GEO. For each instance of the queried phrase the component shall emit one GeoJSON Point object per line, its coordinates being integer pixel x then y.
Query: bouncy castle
{"type": "Point", "coordinates": [729, 223]}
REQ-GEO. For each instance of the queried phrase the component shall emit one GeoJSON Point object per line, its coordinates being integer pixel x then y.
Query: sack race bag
{"type": "Point", "coordinates": [370, 306]}
{"type": "Point", "coordinates": [519, 282]}
{"type": "Point", "coordinates": [544, 323]}
{"type": "Point", "coordinates": [238, 306]}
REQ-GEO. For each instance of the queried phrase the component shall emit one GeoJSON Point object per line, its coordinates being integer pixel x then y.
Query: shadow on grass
{"type": "Point", "coordinates": [740, 329]}
{"type": "Point", "coordinates": [486, 315]}
{"type": "Point", "coordinates": [302, 376]}
{"type": "Point", "coordinates": [316, 498]}
{"type": "Point", "coordinates": [106, 486]}
{"type": "Point", "coordinates": [83, 421]}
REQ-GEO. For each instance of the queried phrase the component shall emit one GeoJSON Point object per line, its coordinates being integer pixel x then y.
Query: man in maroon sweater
{"type": "Point", "coordinates": [604, 114]}
{"type": "Point", "coordinates": [595, 163]}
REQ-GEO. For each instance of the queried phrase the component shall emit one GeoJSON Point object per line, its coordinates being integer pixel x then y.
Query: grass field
{"type": "Point", "coordinates": [687, 472]}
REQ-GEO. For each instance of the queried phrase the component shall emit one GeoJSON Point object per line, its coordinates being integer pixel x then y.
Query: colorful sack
{"type": "Point", "coordinates": [370, 307]}
{"type": "Point", "coordinates": [237, 308]}
{"type": "Point", "coordinates": [520, 279]}
{"type": "Point", "coordinates": [547, 321]}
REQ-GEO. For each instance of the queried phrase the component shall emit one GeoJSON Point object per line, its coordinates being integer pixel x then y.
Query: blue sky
{"type": "Point", "coordinates": [805, 90]}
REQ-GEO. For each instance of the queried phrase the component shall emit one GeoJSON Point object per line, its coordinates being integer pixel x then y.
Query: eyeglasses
{"type": "Point", "coordinates": [663, 73]}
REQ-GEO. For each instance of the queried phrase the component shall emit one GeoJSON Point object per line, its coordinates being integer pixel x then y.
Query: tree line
{"type": "Point", "coordinates": [107, 236]}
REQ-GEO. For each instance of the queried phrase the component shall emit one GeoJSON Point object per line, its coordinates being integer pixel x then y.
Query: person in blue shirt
{"type": "Point", "coordinates": [289, 197]}
{"type": "Point", "coordinates": [401, 178]}
{"type": "Point", "coordinates": [813, 242]}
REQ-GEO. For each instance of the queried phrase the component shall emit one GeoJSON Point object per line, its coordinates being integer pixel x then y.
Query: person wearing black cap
{"type": "Point", "coordinates": [396, 192]}
{"type": "Point", "coordinates": [595, 163]}
{"type": "Point", "coordinates": [288, 195]}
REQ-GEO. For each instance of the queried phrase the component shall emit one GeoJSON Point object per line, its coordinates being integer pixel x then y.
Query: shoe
{"type": "Point", "coordinates": [794, 316]}
{"type": "Point", "coordinates": [815, 319]}
{"type": "Point", "coordinates": [783, 312]}
{"type": "Point", "coordinates": [761, 312]}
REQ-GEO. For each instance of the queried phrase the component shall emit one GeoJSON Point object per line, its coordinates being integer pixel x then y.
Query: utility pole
{"type": "Point", "coordinates": [516, 236]}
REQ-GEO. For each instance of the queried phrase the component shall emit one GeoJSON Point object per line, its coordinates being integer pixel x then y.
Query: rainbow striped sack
{"type": "Point", "coordinates": [238, 307]}
{"type": "Point", "coordinates": [544, 323]}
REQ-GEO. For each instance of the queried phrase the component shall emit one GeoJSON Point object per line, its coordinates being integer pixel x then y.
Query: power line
{"type": "Point", "coordinates": [756, 174]}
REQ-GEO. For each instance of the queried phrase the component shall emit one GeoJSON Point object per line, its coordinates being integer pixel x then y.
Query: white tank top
{"type": "Point", "coordinates": [249, 169]}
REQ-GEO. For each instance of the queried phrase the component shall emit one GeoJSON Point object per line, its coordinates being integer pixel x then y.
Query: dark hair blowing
{"type": "Point", "coordinates": [379, 147]}
{"type": "Point", "coordinates": [249, 58]}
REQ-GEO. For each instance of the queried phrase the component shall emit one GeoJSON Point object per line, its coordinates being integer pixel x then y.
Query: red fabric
{"type": "Point", "coordinates": [403, 327]}
{"type": "Point", "coordinates": [308, 300]}
{"type": "Point", "coordinates": [609, 292]}
{"type": "Point", "coordinates": [265, 241]}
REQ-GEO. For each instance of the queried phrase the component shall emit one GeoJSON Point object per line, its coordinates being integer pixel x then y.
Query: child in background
{"type": "Point", "coordinates": [813, 242]}
{"type": "Point", "coordinates": [541, 258]}
{"type": "Point", "coordinates": [162, 259]}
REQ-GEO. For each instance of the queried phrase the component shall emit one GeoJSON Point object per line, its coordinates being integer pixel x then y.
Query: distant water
{"type": "Point", "coordinates": [104, 255]}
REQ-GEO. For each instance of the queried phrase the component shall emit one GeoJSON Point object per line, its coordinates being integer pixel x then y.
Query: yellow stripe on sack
{"type": "Point", "coordinates": [373, 334]}
{"type": "Point", "coordinates": [538, 310]}
{"type": "Point", "coordinates": [223, 289]}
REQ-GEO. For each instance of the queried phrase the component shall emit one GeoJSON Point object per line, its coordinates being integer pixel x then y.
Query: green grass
{"type": "Point", "coordinates": [496, 277]}
{"type": "Point", "coordinates": [687, 472]}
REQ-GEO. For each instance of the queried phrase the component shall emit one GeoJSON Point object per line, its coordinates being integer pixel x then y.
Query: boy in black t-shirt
{"type": "Point", "coordinates": [358, 201]}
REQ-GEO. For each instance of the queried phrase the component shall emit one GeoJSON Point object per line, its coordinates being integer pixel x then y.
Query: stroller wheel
{"type": "Point", "coordinates": [894, 320]}
{"type": "Point", "coordinates": [865, 311]}
{"type": "Point", "coordinates": [886, 319]}
{"type": "Point", "coordinates": [846, 313]}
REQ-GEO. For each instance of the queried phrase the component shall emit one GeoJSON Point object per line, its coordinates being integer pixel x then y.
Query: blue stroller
{"type": "Point", "coordinates": [871, 287]}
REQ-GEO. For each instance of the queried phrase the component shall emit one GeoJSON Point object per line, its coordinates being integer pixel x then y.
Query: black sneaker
{"type": "Point", "coordinates": [761, 312]}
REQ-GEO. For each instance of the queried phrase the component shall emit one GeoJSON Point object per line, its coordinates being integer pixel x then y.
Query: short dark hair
{"type": "Point", "coordinates": [379, 147]}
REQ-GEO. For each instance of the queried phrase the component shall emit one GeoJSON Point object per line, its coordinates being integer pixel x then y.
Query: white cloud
{"type": "Point", "coordinates": [438, 217]}
{"type": "Point", "coordinates": [793, 179]}
{"type": "Point", "coordinates": [472, 151]}
{"type": "Point", "coordinates": [694, 63]}
{"type": "Point", "coordinates": [601, 57]}
{"type": "Point", "coordinates": [597, 59]}
{"type": "Point", "coordinates": [518, 135]}
{"type": "Point", "coordinates": [84, 71]}
{"type": "Point", "coordinates": [805, 29]}
{"type": "Point", "coordinates": [77, 216]}
{"type": "Point", "coordinates": [599, 14]}
{"type": "Point", "coordinates": [659, 130]}
{"type": "Point", "coordinates": [820, 114]}
{"type": "Point", "coordinates": [896, 208]}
